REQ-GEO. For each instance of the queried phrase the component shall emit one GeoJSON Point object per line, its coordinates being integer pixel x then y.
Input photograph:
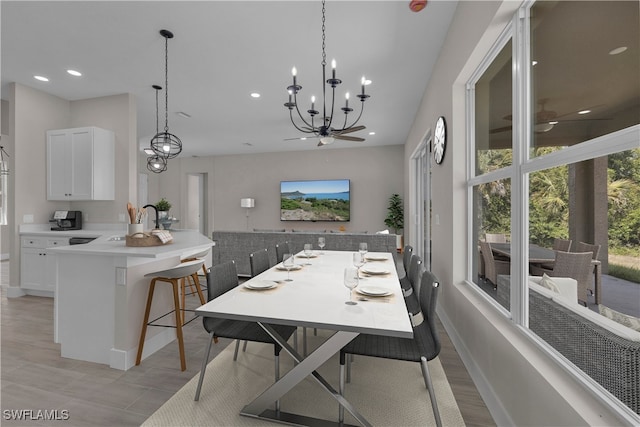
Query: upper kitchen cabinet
{"type": "Point", "coordinates": [80, 164]}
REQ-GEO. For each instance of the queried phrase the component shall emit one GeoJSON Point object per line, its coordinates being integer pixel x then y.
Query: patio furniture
{"type": "Point", "coordinates": [605, 350]}
{"type": "Point", "coordinates": [493, 267]}
{"type": "Point", "coordinates": [576, 265]}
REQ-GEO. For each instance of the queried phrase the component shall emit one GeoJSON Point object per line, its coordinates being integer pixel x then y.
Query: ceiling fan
{"type": "Point", "coordinates": [328, 135]}
{"type": "Point", "coordinates": [546, 119]}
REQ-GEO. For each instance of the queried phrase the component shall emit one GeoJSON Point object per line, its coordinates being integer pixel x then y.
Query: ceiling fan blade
{"type": "Point", "coordinates": [353, 129]}
{"type": "Point", "coordinates": [348, 138]}
{"type": "Point", "coordinates": [502, 129]}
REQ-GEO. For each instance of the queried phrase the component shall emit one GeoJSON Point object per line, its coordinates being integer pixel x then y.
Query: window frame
{"type": "Point", "coordinates": [518, 32]}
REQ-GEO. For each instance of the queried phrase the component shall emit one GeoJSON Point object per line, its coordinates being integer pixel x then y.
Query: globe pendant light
{"type": "Point", "coordinates": [156, 163]}
{"type": "Point", "coordinates": [324, 128]}
{"type": "Point", "coordinates": [165, 144]}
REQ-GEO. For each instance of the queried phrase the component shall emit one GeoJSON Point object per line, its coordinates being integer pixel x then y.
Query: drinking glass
{"type": "Point", "coordinates": [358, 261]}
{"type": "Point", "coordinates": [351, 282]}
{"type": "Point", "coordinates": [308, 251]}
{"type": "Point", "coordinates": [287, 262]}
{"type": "Point", "coordinates": [321, 244]}
{"type": "Point", "coordinates": [363, 249]}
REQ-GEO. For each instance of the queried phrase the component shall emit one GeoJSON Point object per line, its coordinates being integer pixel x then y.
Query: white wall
{"type": "Point", "coordinates": [7, 143]}
{"type": "Point", "coordinates": [375, 174]}
{"type": "Point", "coordinates": [31, 114]}
{"type": "Point", "coordinates": [521, 385]}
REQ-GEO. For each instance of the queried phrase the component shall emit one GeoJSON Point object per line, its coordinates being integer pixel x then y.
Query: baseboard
{"type": "Point", "coordinates": [126, 359]}
{"type": "Point", "coordinates": [13, 291]}
{"type": "Point", "coordinates": [495, 407]}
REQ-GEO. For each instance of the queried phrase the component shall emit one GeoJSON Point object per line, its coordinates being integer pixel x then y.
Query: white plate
{"type": "Point", "coordinates": [295, 267]}
{"type": "Point", "coordinates": [373, 291]}
{"type": "Point", "coordinates": [260, 285]}
{"type": "Point", "coordinates": [374, 270]}
{"type": "Point", "coordinates": [375, 258]}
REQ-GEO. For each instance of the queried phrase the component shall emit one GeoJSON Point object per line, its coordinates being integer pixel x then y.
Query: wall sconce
{"type": "Point", "coordinates": [247, 203]}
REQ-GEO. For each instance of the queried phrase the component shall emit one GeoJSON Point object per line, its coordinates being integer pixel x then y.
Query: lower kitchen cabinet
{"type": "Point", "coordinates": [36, 265]}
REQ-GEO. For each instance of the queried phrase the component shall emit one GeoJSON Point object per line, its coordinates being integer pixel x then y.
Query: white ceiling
{"type": "Point", "coordinates": [224, 50]}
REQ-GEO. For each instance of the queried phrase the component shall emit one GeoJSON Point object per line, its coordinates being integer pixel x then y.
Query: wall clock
{"type": "Point", "coordinates": [439, 140]}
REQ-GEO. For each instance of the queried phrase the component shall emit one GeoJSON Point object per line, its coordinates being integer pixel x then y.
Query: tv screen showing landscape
{"type": "Point", "coordinates": [320, 200]}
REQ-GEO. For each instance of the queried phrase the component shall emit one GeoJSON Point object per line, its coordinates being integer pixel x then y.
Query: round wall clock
{"type": "Point", "coordinates": [439, 140]}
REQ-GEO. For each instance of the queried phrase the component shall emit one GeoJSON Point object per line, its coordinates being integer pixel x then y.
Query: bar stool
{"type": "Point", "coordinates": [193, 279]}
{"type": "Point", "coordinates": [174, 275]}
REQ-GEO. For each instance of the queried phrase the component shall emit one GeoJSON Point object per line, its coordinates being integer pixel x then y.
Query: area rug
{"type": "Point", "coordinates": [385, 392]}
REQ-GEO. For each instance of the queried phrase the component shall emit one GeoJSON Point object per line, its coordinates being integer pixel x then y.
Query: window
{"type": "Point", "coordinates": [555, 157]}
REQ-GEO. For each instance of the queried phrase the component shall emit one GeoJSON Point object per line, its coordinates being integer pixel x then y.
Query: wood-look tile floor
{"type": "Point", "coordinates": [34, 375]}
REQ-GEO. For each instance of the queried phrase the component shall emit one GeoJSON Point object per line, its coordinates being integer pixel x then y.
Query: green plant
{"type": "Point", "coordinates": [163, 205]}
{"type": "Point", "coordinates": [395, 213]}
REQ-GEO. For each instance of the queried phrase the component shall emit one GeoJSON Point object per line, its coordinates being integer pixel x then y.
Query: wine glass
{"type": "Point", "coordinates": [358, 261]}
{"type": "Point", "coordinates": [308, 251]}
{"type": "Point", "coordinates": [321, 244]}
{"type": "Point", "coordinates": [351, 282]}
{"type": "Point", "coordinates": [363, 249]}
{"type": "Point", "coordinates": [287, 262]}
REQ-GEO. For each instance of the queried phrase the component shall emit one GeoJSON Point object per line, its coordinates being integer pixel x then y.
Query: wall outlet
{"type": "Point", "coordinates": [27, 218]}
{"type": "Point", "coordinates": [121, 218]}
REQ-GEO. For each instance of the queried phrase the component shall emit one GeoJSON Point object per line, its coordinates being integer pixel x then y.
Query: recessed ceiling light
{"type": "Point", "coordinates": [553, 122]}
{"type": "Point", "coordinates": [183, 114]}
{"type": "Point", "coordinates": [149, 151]}
{"type": "Point", "coordinates": [372, 133]}
{"type": "Point", "coordinates": [534, 63]}
{"type": "Point", "coordinates": [41, 78]}
{"type": "Point", "coordinates": [304, 138]}
{"type": "Point", "coordinates": [618, 50]}
{"type": "Point", "coordinates": [584, 112]}
{"type": "Point", "coordinates": [255, 95]}
{"type": "Point", "coordinates": [74, 73]}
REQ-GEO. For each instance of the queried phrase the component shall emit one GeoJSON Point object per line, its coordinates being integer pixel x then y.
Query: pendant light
{"type": "Point", "coordinates": [165, 144]}
{"type": "Point", "coordinates": [156, 163]}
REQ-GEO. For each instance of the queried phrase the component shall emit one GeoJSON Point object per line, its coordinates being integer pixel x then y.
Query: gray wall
{"type": "Point", "coordinates": [375, 174]}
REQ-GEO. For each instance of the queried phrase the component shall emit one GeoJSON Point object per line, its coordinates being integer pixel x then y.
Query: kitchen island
{"type": "Point", "coordinates": [101, 294]}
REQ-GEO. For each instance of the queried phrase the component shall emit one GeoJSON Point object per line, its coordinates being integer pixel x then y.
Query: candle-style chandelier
{"type": "Point", "coordinates": [166, 144]}
{"type": "Point", "coordinates": [324, 128]}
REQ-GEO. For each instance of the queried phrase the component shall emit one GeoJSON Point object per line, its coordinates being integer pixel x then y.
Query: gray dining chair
{"type": "Point", "coordinates": [259, 262]}
{"type": "Point", "coordinates": [492, 266]}
{"type": "Point", "coordinates": [222, 278]}
{"type": "Point", "coordinates": [424, 346]}
{"type": "Point", "coordinates": [406, 258]}
{"type": "Point", "coordinates": [281, 249]}
{"type": "Point", "coordinates": [594, 249]}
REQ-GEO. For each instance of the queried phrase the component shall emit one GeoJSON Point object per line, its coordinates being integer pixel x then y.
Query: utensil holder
{"type": "Point", "coordinates": [134, 229]}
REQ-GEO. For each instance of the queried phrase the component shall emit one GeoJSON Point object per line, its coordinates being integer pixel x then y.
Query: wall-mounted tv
{"type": "Point", "coordinates": [318, 200]}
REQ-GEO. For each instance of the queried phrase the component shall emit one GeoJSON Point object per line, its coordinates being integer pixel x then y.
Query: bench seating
{"type": "Point", "coordinates": [237, 245]}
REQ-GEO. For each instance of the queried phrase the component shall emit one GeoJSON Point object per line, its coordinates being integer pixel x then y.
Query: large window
{"type": "Point", "coordinates": [555, 173]}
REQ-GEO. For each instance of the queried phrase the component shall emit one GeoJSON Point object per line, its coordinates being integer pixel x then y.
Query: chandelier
{"type": "Point", "coordinates": [155, 162]}
{"type": "Point", "coordinates": [165, 144]}
{"type": "Point", "coordinates": [324, 128]}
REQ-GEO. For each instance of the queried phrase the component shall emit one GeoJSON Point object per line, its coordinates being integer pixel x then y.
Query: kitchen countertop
{"type": "Point", "coordinates": [113, 243]}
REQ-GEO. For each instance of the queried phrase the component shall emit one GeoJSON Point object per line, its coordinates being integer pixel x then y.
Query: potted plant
{"type": "Point", "coordinates": [163, 207]}
{"type": "Point", "coordinates": [395, 217]}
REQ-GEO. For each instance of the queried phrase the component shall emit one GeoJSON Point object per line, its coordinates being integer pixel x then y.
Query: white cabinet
{"type": "Point", "coordinates": [80, 164]}
{"type": "Point", "coordinates": [37, 268]}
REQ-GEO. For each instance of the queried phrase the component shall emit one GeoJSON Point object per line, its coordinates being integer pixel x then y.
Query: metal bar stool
{"type": "Point", "coordinates": [172, 275]}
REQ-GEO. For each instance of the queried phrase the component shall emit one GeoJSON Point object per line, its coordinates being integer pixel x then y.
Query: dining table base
{"type": "Point", "coordinates": [305, 366]}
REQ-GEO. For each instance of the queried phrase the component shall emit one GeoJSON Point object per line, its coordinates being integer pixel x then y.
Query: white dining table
{"type": "Point", "coordinates": [315, 298]}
